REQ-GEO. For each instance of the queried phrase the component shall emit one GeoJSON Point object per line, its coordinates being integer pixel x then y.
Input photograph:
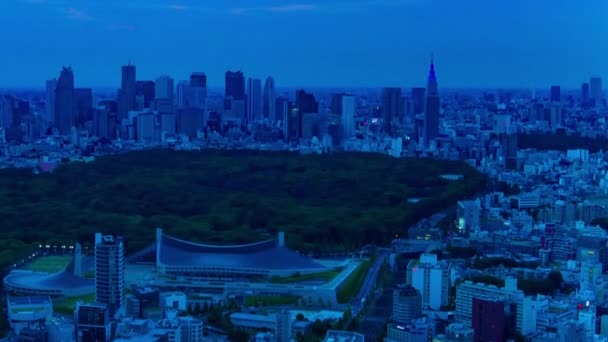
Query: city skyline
{"type": "Point", "coordinates": [476, 46]}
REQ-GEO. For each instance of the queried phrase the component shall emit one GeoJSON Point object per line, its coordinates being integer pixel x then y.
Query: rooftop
{"type": "Point", "coordinates": [343, 336]}
{"type": "Point", "coordinates": [268, 255]}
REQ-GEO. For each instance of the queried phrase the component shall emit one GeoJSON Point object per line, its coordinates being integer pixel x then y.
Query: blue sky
{"type": "Point", "coordinates": [476, 43]}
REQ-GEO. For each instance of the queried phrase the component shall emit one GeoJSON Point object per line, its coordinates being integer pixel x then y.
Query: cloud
{"type": "Point", "coordinates": [72, 13]}
{"type": "Point", "coordinates": [274, 9]}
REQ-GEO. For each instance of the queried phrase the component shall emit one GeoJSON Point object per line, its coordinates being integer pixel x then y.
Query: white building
{"type": "Point", "coordinates": [469, 290]}
{"type": "Point", "coordinates": [431, 278]}
{"type": "Point", "coordinates": [172, 301]}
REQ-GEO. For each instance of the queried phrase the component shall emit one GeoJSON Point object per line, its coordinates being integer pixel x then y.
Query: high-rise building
{"type": "Point", "coordinates": [349, 108]}
{"type": "Point", "coordinates": [270, 100]}
{"type": "Point", "coordinates": [392, 108]}
{"type": "Point", "coordinates": [146, 90]}
{"type": "Point", "coordinates": [585, 92]}
{"type": "Point", "coordinates": [64, 101]}
{"type": "Point", "coordinates": [128, 91]}
{"type": "Point", "coordinates": [235, 85]}
{"type": "Point", "coordinates": [305, 104]}
{"type": "Point", "coordinates": [51, 85]}
{"type": "Point", "coordinates": [432, 278]}
{"type": "Point", "coordinates": [336, 103]}
{"type": "Point", "coordinates": [282, 114]}
{"type": "Point", "coordinates": [145, 126]}
{"type": "Point", "coordinates": [254, 100]}
{"type": "Point", "coordinates": [510, 151]}
{"type": "Point", "coordinates": [488, 320]}
{"type": "Point", "coordinates": [189, 121]}
{"type": "Point", "coordinates": [92, 323]}
{"type": "Point", "coordinates": [83, 105]}
{"type": "Point", "coordinates": [407, 304]}
{"type": "Point", "coordinates": [595, 89]}
{"type": "Point", "coordinates": [109, 272]}
{"type": "Point", "coordinates": [163, 88]}
{"type": "Point", "coordinates": [198, 80]}
{"type": "Point", "coordinates": [555, 94]}
{"type": "Point", "coordinates": [417, 106]}
{"type": "Point", "coordinates": [6, 111]}
{"type": "Point", "coordinates": [431, 119]}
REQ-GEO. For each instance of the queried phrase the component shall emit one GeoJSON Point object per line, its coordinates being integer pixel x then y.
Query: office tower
{"type": "Point", "coordinates": [270, 100]}
{"type": "Point", "coordinates": [407, 304]}
{"type": "Point", "coordinates": [6, 111]}
{"type": "Point", "coordinates": [417, 106]}
{"type": "Point", "coordinates": [92, 323]}
{"type": "Point", "coordinates": [234, 102]}
{"type": "Point", "coordinates": [555, 94]}
{"type": "Point", "coordinates": [305, 104]}
{"type": "Point", "coordinates": [198, 80]}
{"type": "Point", "coordinates": [595, 89]}
{"type": "Point", "coordinates": [64, 101]}
{"type": "Point", "coordinates": [392, 108]}
{"type": "Point", "coordinates": [145, 126]}
{"type": "Point", "coordinates": [101, 118]}
{"type": "Point", "coordinates": [235, 85]}
{"type": "Point", "coordinates": [182, 94]}
{"type": "Point", "coordinates": [83, 105]}
{"type": "Point", "coordinates": [349, 108]}
{"type": "Point", "coordinates": [468, 214]}
{"type": "Point", "coordinates": [254, 100]}
{"type": "Point", "coordinates": [109, 272]}
{"type": "Point", "coordinates": [488, 320]}
{"type": "Point", "coordinates": [127, 91]}
{"type": "Point", "coordinates": [51, 85]}
{"type": "Point", "coordinates": [431, 119]}
{"type": "Point", "coordinates": [336, 103]}
{"type": "Point", "coordinates": [168, 123]}
{"type": "Point", "coordinates": [432, 278]}
{"type": "Point", "coordinates": [145, 89]}
{"type": "Point", "coordinates": [189, 121]}
{"type": "Point", "coordinates": [585, 92]}
{"type": "Point", "coordinates": [163, 88]}
{"type": "Point", "coordinates": [282, 115]}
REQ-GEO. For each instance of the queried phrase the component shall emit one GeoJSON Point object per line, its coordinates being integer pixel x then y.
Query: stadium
{"type": "Point", "coordinates": [175, 257]}
{"type": "Point", "coordinates": [69, 282]}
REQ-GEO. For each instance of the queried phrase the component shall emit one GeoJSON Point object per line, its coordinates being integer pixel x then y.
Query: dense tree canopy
{"type": "Point", "coordinates": [323, 203]}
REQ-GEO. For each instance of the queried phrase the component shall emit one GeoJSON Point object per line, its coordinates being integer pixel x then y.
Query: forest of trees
{"type": "Point", "coordinates": [323, 203]}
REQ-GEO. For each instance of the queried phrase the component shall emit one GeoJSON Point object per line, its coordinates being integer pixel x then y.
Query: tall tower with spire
{"type": "Point", "coordinates": [431, 119]}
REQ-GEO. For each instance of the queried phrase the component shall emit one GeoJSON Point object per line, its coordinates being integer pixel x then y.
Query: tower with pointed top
{"type": "Point", "coordinates": [431, 118]}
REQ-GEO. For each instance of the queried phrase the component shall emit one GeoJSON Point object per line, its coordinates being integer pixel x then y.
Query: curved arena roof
{"type": "Point", "coordinates": [62, 283]}
{"type": "Point", "coordinates": [266, 255]}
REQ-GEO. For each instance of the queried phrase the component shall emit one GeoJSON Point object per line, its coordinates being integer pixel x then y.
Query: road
{"type": "Point", "coordinates": [369, 282]}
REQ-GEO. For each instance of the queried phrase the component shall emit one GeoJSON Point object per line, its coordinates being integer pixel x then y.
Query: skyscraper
{"type": "Point", "coordinates": [163, 88]}
{"type": "Point", "coordinates": [198, 80]}
{"type": "Point", "coordinates": [555, 94]}
{"type": "Point", "coordinates": [109, 272]}
{"type": "Point", "coordinates": [349, 108]}
{"type": "Point", "coordinates": [235, 85]}
{"type": "Point", "coordinates": [127, 92]}
{"type": "Point", "coordinates": [83, 105]}
{"type": "Point", "coordinates": [418, 100]}
{"type": "Point", "coordinates": [431, 120]}
{"type": "Point", "coordinates": [6, 111]}
{"type": "Point", "coordinates": [595, 88]}
{"type": "Point", "coordinates": [585, 92]}
{"type": "Point", "coordinates": [146, 90]}
{"type": "Point", "coordinates": [305, 104]}
{"type": "Point", "coordinates": [51, 85]}
{"type": "Point", "coordinates": [392, 108]}
{"type": "Point", "coordinates": [269, 100]}
{"type": "Point", "coordinates": [64, 101]}
{"type": "Point", "coordinates": [254, 100]}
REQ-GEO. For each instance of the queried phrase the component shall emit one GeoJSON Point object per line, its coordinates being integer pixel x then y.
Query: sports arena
{"type": "Point", "coordinates": [69, 282]}
{"type": "Point", "coordinates": [176, 257]}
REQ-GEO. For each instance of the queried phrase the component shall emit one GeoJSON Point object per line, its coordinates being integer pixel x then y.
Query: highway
{"type": "Point", "coordinates": [368, 283]}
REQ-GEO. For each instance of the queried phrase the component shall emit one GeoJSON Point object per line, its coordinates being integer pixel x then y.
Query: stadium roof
{"type": "Point", "coordinates": [262, 255]}
{"type": "Point", "coordinates": [63, 281]}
